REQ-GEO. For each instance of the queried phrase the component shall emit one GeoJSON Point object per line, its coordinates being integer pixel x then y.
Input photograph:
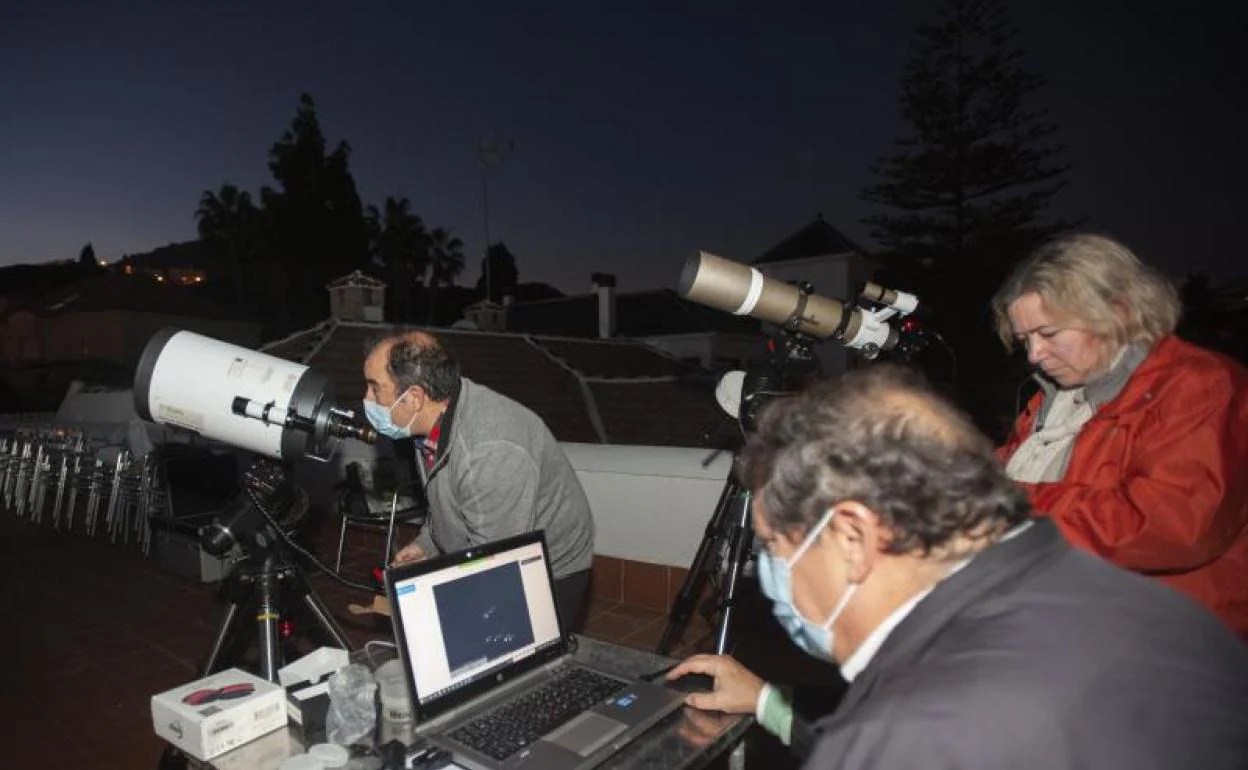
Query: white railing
{"type": "Point", "coordinates": [650, 504]}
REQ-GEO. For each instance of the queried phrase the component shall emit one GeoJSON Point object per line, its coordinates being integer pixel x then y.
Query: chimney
{"type": "Point", "coordinates": [357, 297]}
{"type": "Point", "coordinates": [603, 285]}
{"type": "Point", "coordinates": [487, 316]}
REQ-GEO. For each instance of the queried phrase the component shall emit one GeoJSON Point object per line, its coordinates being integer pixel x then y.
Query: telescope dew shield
{"type": "Point", "coordinates": [743, 290]}
{"type": "Point", "coordinates": [191, 381]}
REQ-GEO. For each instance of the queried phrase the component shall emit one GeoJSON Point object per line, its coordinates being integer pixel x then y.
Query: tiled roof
{"type": "Point", "coordinates": [587, 391]}
{"type": "Point", "coordinates": [817, 239]}
{"type": "Point", "coordinates": [638, 314]}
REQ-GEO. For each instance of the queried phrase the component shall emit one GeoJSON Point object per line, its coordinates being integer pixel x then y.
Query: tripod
{"type": "Point", "coordinates": [255, 584]}
{"type": "Point", "coordinates": [257, 581]}
{"type": "Point", "coordinates": [730, 536]}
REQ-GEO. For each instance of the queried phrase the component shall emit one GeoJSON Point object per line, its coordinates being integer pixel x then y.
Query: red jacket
{"type": "Point", "coordinates": [1158, 479]}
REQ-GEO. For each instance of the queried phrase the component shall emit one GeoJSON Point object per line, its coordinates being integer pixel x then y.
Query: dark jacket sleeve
{"type": "Point", "coordinates": [901, 745]}
{"type": "Point", "coordinates": [802, 737]}
{"type": "Point", "coordinates": [810, 704]}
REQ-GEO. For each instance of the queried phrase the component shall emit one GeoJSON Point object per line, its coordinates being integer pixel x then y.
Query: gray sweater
{"type": "Point", "coordinates": [500, 472]}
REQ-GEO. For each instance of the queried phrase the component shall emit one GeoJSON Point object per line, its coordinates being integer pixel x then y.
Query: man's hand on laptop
{"type": "Point", "coordinates": [408, 553]}
{"type": "Point", "coordinates": [736, 687]}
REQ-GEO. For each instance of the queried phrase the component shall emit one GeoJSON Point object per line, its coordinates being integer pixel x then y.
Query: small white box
{"type": "Point", "coordinates": [307, 687]}
{"type": "Point", "coordinates": [218, 713]}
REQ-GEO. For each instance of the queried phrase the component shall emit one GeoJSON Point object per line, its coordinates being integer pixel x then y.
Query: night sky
{"type": "Point", "coordinates": [640, 135]}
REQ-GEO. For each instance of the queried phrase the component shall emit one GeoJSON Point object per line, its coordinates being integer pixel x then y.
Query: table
{"type": "Point", "coordinates": [686, 740]}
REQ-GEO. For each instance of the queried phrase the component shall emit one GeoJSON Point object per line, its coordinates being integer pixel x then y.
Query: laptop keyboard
{"type": "Point", "coordinates": [511, 727]}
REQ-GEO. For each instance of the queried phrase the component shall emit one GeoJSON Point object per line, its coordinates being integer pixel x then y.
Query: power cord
{"type": "Point", "coordinates": [281, 533]}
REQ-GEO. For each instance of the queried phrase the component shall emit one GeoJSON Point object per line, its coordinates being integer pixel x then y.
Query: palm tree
{"type": "Point", "coordinates": [225, 218]}
{"type": "Point", "coordinates": [446, 262]}
{"type": "Point", "coordinates": [397, 242]}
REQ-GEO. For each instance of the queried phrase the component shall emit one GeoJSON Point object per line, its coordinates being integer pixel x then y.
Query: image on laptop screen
{"type": "Point", "coordinates": [468, 620]}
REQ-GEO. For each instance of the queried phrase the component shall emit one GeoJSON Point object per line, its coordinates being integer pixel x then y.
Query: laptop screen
{"type": "Point", "coordinates": [475, 617]}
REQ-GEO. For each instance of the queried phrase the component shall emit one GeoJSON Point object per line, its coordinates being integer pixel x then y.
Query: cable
{"type": "Point", "coordinates": [281, 533]}
{"type": "Point", "coordinates": [952, 356]}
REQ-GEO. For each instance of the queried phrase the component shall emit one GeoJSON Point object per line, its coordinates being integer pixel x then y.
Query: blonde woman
{"type": "Point", "coordinates": [1137, 444]}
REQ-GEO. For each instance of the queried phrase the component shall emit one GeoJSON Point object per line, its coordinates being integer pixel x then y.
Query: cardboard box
{"type": "Point", "coordinates": [218, 713]}
{"type": "Point", "coordinates": [307, 689]}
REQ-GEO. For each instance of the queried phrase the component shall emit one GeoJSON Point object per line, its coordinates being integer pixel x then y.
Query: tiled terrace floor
{"type": "Point", "coordinates": [93, 629]}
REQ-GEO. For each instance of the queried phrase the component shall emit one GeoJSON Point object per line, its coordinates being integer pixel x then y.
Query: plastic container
{"type": "Point", "coordinates": [396, 704]}
{"type": "Point", "coordinates": [331, 756]}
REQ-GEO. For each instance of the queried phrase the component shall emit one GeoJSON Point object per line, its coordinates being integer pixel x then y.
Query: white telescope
{"type": "Point", "coordinates": [271, 406]}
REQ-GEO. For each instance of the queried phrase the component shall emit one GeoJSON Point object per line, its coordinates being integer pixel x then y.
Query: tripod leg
{"type": "Point", "coordinates": [267, 618]}
{"type": "Point", "coordinates": [326, 620]}
{"type": "Point", "coordinates": [699, 571]}
{"type": "Point", "coordinates": [302, 589]}
{"type": "Point", "coordinates": [738, 554]}
{"type": "Point", "coordinates": [225, 632]}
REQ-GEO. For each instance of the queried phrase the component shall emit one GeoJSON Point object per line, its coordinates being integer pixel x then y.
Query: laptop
{"type": "Point", "coordinates": [490, 669]}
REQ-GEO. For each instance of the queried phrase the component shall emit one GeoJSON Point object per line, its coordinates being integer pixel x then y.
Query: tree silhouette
{"type": "Point", "coordinates": [86, 257]}
{"type": "Point", "coordinates": [966, 190]}
{"type": "Point", "coordinates": [227, 220]}
{"type": "Point", "coordinates": [504, 275]}
{"type": "Point", "coordinates": [446, 262]}
{"type": "Point", "coordinates": [1206, 320]}
{"type": "Point", "coordinates": [969, 184]}
{"type": "Point", "coordinates": [399, 244]}
{"type": "Point", "coordinates": [311, 228]}
{"type": "Point", "coordinates": [317, 219]}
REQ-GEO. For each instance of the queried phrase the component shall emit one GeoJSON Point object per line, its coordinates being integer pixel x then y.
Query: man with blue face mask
{"type": "Point", "coordinates": [490, 466]}
{"type": "Point", "coordinates": [972, 635]}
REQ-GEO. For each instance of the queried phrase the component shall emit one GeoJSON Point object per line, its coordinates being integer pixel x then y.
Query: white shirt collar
{"type": "Point", "coordinates": [862, 656]}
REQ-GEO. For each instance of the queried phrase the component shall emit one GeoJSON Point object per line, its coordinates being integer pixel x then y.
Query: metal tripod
{"type": "Point", "coordinates": [725, 547]}
{"type": "Point", "coordinates": [257, 583]}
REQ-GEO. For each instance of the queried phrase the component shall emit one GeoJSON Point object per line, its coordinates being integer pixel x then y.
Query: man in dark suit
{"type": "Point", "coordinates": [972, 635]}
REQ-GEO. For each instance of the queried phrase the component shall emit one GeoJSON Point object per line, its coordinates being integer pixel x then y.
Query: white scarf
{"type": "Point", "coordinates": [1045, 454]}
{"type": "Point", "coordinates": [1042, 457]}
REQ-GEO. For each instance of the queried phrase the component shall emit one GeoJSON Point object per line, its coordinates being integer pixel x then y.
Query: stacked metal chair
{"type": "Point", "coordinates": [10, 458]}
{"type": "Point", "coordinates": [46, 471]}
{"type": "Point", "coordinates": [18, 475]}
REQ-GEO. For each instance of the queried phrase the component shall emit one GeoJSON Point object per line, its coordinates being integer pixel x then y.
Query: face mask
{"type": "Point", "coordinates": [381, 418]}
{"type": "Point", "coordinates": [774, 577]}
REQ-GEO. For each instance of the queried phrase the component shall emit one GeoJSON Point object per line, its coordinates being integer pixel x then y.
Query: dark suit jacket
{"type": "Point", "coordinates": [1039, 656]}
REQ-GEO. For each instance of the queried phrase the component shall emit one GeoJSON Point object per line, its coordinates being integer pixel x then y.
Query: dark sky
{"type": "Point", "coordinates": [640, 135]}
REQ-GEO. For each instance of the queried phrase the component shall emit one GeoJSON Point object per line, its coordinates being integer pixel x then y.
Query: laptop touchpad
{"type": "Point", "coordinates": [587, 733]}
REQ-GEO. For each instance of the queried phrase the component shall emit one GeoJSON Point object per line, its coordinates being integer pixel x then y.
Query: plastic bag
{"type": "Point", "coordinates": [352, 712]}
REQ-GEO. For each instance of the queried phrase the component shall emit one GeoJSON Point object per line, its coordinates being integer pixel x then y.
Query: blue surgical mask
{"type": "Point", "coordinates": [381, 418]}
{"type": "Point", "coordinates": [774, 578]}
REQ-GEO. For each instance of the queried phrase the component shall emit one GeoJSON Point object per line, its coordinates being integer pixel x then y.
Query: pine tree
{"type": "Point", "coordinates": [969, 185]}
{"type": "Point", "coordinates": [965, 194]}
{"type": "Point", "coordinates": [316, 219]}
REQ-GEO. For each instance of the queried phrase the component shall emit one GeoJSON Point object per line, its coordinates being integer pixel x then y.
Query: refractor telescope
{"type": "Point", "coordinates": [743, 290]}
